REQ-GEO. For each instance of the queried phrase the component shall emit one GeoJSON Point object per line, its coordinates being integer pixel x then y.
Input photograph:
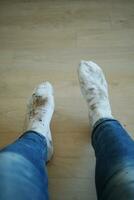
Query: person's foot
{"type": "Point", "coordinates": [94, 89]}
{"type": "Point", "coordinates": [40, 111]}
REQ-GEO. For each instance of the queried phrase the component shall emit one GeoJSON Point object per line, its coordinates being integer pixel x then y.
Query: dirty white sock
{"type": "Point", "coordinates": [94, 89]}
{"type": "Point", "coordinates": [40, 111]}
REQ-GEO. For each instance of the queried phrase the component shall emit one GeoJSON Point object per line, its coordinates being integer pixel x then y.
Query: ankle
{"type": "Point", "coordinates": [98, 114]}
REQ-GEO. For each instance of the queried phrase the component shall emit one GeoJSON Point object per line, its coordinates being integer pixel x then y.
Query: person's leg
{"type": "Point", "coordinates": [114, 149]}
{"type": "Point", "coordinates": [22, 174]}
{"type": "Point", "coordinates": [22, 164]}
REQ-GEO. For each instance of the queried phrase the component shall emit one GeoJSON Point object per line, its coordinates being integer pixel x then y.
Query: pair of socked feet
{"type": "Point", "coordinates": [94, 89]}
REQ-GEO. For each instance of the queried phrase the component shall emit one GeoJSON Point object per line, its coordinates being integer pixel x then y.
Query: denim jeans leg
{"type": "Point", "coordinates": [22, 168]}
{"type": "Point", "coordinates": [114, 150]}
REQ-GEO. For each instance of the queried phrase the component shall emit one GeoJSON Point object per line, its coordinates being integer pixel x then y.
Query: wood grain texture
{"type": "Point", "coordinates": [45, 40]}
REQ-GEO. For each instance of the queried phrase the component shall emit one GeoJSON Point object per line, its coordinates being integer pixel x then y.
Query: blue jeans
{"type": "Point", "coordinates": [114, 150]}
{"type": "Point", "coordinates": [23, 174]}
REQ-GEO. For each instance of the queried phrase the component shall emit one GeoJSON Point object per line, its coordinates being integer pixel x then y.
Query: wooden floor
{"type": "Point", "coordinates": [45, 40]}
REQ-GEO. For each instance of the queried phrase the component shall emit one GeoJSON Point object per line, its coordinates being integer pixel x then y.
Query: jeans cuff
{"type": "Point", "coordinates": [98, 123]}
{"type": "Point", "coordinates": [31, 131]}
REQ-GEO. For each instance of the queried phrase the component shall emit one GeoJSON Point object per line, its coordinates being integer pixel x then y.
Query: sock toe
{"type": "Point", "coordinates": [45, 89]}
